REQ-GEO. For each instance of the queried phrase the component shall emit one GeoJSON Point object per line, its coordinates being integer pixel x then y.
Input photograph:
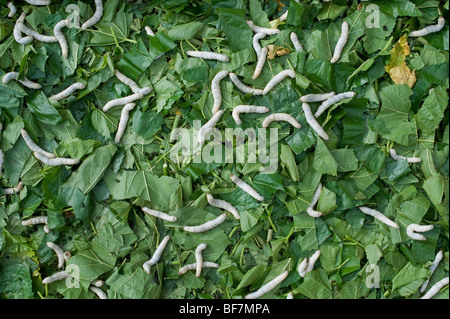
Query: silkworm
{"type": "Point", "coordinates": [290, 296]}
{"type": "Point", "coordinates": [127, 81]}
{"type": "Point", "coordinates": [241, 86]}
{"type": "Point", "coordinates": [277, 79]}
{"type": "Point", "coordinates": [281, 117]}
{"type": "Point", "coordinates": [13, 190]}
{"type": "Point", "coordinates": [59, 253]}
{"type": "Point", "coordinates": [57, 30]}
{"type": "Point", "coordinates": [247, 109]}
{"type": "Point", "coordinates": [2, 160]}
{"type": "Point", "coordinates": [206, 264]}
{"type": "Point", "coordinates": [199, 259]}
{"type": "Point", "coordinates": [69, 91]}
{"type": "Point", "coordinates": [309, 98]}
{"type": "Point", "coordinates": [256, 45]}
{"type": "Point", "coordinates": [67, 255]}
{"type": "Point", "coordinates": [56, 277]}
{"type": "Point", "coordinates": [57, 161]}
{"type": "Point", "coordinates": [301, 269]}
{"type": "Point", "coordinates": [18, 33]}
{"type": "Point", "coordinates": [332, 100]}
{"type": "Point", "coordinates": [296, 42]}
{"type": "Point", "coordinates": [12, 9]}
{"type": "Point", "coordinates": [125, 115]}
{"type": "Point", "coordinates": [435, 288]}
{"type": "Point", "coordinates": [39, 2]}
{"type": "Point", "coordinates": [396, 157]}
{"type": "Point", "coordinates": [205, 129]}
{"type": "Point", "coordinates": [159, 214]}
{"type": "Point", "coordinates": [430, 29]}
{"type": "Point", "coordinates": [313, 122]}
{"type": "Point", "coordinates": [258, 29]}
{"type": "Point", "coordinates": [215, 89]}
{"type": "Point", "coordinates": [341, 43]}
{"type": "Point", "coordinates": [127, 99]}
{"type": "Point", "coordinates": [158, 252]}
{"type": "Point", "coordinates": [412, 228]}
{"type": "Point", "coordinates": [223, 205]}
{"type": "Point", "coordinates": [97, 283]}
{"type": "Point", "coordinates": [25, 82]}
{"type": "Point", "coordinates": [310, 210]}
{"type": "Point", "coordinates": [206, 226]}
{"type": "Point", "coordinates": [246, 188]}
{"type": "Point", "coordinates": [378, 215]}
{"type": "Point", "coordinates": [283, 17]}
{"type": "Point", "coordinates": [260, 63]}
{"type": "Point", "coordinates": [433, 267]}
{"type": "Point", "coordinates": [96, 17]}
{"type": "Point", "coordinates": [268, 287]}
{"type": "Point", "coordinates": [208, 55]}
{"type": "Point", "coordinates": [35, 221]}
{"type": "Point", "coordinates": [33, 146]}
{"type": "Point", "coordinates": [36, 35]}
{"type": "Point", "coordinates": [312, 260]}
{"type": "Point", "coordinates": [149, 31]}
{"type": "Point", "coordinates": [100, 293]}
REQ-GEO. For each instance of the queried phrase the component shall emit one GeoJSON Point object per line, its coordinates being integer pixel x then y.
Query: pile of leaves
{"type": "Point", "coordinates": [94, 208]}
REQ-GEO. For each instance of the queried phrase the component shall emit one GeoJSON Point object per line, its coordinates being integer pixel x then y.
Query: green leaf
{"type": "Point", "coordinates": [324, 161]}
{"type": "Point", "coordinates": [42, 109]}
{"type": "Point", "coordinates": [432, 110]}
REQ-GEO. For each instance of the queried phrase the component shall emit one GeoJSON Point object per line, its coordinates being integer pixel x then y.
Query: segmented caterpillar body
{"type": "Point", "coordinates": [435, 288]}
{"type": "Point", "coordinates": [205, 129]}
{"type": "Point", "coordinates": [199, 258]}
{"type": "Point", "coordinates": [215, 89]}
{"type": "Point", "coordinates": [247, 109]}
{"type": "Point", "coordinates": [223, 205]}
{"type": "Point", "coordinates": [332, 100]}
{"type": "Point", "coordinates": [378, 215]}
{"type": "Point", "coordinates": [206, 226]}
{"type": "Point", "coordinates": [125, 115]}
{"type": "Point", "coordinates": [157, 255]}
{"type": "Point", "coordinates": [277, 79]}
{"type": "Point", "coordinates": [159, 214]}
{"type": "Point", "coordinates": [68, 91]}
{"type": "Point", "coordinates": [57, 30]}
{"type": "Point", "coordinates": [281, 117]}
{"type": "Point", "coordinates": [268, 287]}
{"type": "Point", "coordinates": [246, 188]}
{"type": "Point", "coordinates": [341, 43]}
{"type": "Point", "coordinates": [313, 122]}
{"type": "Point", "coordinates": [413, 228]}
{"type": "Point", "coordinates": [429, 29]}
{"type": "Point", "coordinates": [208, 55]}
{"type": "Point", "coordinates": [310, 210]}
{"type": "Point", "coordinates": [396, 157]}
{"type": "Point", "coordinates": [96, 17]}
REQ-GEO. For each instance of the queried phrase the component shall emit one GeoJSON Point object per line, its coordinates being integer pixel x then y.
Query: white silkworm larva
{"type": "Point", "coordinates": [59, 253]}
{"type": "Point", "coordinates": [97, 283]}
{"type": "Point", "coordinates": [313, 122]}
{"type": "Point", "coordinates": [33, 146]}
{"type": "Point", "coordinates": [35, 221]}
{"type": "Point", "coordinates": [125, 115]}
{"type": "Point", "coordinates": [223, 205]}
{"type": "Point", "coordinates": [36, 35]}
{"type": "Point", "coordinates": [127, 99]}
{"type": "Point", "coordinates": [309, 98]}
{"type": "Point", "coordinates": [149, 31]}
{"type": "Point", "coordinates": [199, 259]}
{"type": "Point", "coordinates": [206, 264]}
{"type": "Point", "coordinates": [57, 30]}
{"type": "Point", "coordinates": [158, 252]}
{"type": "Point", "coordinates": [277, 79]}
{"type": "Point", "coordinates": [260, 63]}
{"type": "Point", "coordinates": [341, 43]}
{"type": "Point", "coordinates": [247, 109]}
{"type": "Point", "coordinates": [205, 129]}
{"type": "Point", "coordinates": [312, 260]}
{"type": "Point", "coordinates": [258, 29]}
{"type": "Point", "coordinates": [206, 226]}
{"type": "Point", "coordinates": [435, 288]}
{"type": "Point", "coordinates": [241, 86]}
{"type": "Point", "coordinates": [332, 100]}
{"type": "Point", "coordinates": [290, 296]}
{"type": "Point", "coordinates": [268, 287]}
{"type": "Point", "coordinates": [412, 228]}
{"type": "Point", "coordinates": [18, 33]}
{"type": "Point", "coordinates": [281, 117]}
{"type": "Point", "coordinates": [67, 255]}
{"type": "Point", "coordinates": [246, 188]}
{"type": "Point", "coordinates": [14, 190]}
{"type": "Point", "coordinates": [433, 267]}
{"type": "Point", "coordinates": [378, 215]}
{"type": "Point", "coordinates": [283, 17]}
{"type": "Point", "coordinates": [301, 269]}
{"type": "Point", "coordinates": [159, 214]}
{"type": "Point", "coordinates": [296, 42]}
{"type": "Point", "coordinates": [430, 29]}
{"type": "Point", "coordinates": [25, 82]}
{"type": "Point", "coordinates": [396, 157]}
{"type": "Point", "coordinates": [100, 293]}
{"type": "Point", "coordinates": [215, 89]}
{"type": "Point", "coordinates": [256, 45]}
{"type": "Point", "coordinates": [2, 159]}
{"type": "Point", "coordinates": [39, 2]}
{"type": "Point", "coordinates": [12, 9]}
{"type": "Point", "coordinates": [208, 55]}
{"type": "Point", "coordinates": [127, 81]}
{"type": "Point", "coordinates": [69, 91]}
{"type": "Point", "coordinates": [55, 277]}
{"type": "Point", "coordinates": [57, 161]}
{"type": "Point", "coordinates": [96, 17]}
{"type": "Point", "coordinates": [310, 210]}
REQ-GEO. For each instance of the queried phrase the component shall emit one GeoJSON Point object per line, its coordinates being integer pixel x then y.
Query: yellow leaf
{"type": "Point", "coordinates": [403, 75]}
{"type": "Point", "coordinates": [275, 50]}
{"type": "Point", "coordinates": [398, 53]}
